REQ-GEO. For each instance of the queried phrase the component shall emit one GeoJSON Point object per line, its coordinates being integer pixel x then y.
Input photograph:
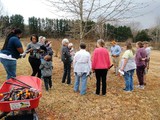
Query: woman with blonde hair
{"type": "Point", "coordinates": [128, 66]}
{"type": "Point", "coordinates": [100, 65]}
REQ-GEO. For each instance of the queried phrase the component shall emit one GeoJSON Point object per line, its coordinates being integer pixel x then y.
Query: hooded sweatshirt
{"type": "Point", "coordinates": [46, 68]}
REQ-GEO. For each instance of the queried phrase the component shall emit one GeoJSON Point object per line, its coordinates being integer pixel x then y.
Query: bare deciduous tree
{"type": "Point", "coordinates": [157, 29]}
{"type": "Point", "coordinates": [95, 10]}
{"type": "Point", "coordinates": [135, 27]}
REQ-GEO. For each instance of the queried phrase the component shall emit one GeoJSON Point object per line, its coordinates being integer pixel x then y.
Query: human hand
{"type": "Point", "coordinates": [23, 55]}
{"type": "Point", "coordinates": [143, 59]}
{"type": "Point", "coordinates": [30, 50]}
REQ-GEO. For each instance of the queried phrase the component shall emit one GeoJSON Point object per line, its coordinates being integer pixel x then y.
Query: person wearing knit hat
{"type": "Point", "coordinates": [115, 53]}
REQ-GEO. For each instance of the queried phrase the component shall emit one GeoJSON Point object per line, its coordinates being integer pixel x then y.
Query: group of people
{"type": "Point", "coordinates": [100, 63]}
{"type": "Point", "coordinates": [40, 56]}
{"type": "Point", "coordinates": [40, 59]}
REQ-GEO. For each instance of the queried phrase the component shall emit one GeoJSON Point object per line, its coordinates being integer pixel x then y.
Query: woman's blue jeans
{"type": "Point", "coordinates": [83, 84]}
{"type": "Point", "coordinates": [128, 77]}
{"type": "Point", "coordinates": [10, 67]}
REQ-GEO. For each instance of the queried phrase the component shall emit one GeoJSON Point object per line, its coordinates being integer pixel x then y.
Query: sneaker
{"type": "Point", "coordinates": [127, 90]}
{"type": "Point", "coordinates": [104, 95]}
{"type": "Point", "coordinates": [96, 93]}
{"type": "Point", "coordinates": [141, 87]}
{"type": "Point", "coordinates": [124, 88]}
{"type": "Point", "coordinates": [76, 91]}
{"type": "Point", "coordinates": [137, 86]}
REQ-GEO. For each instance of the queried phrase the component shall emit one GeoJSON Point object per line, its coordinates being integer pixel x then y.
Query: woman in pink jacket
{"type": "Point", "coordinates": [100, 65]}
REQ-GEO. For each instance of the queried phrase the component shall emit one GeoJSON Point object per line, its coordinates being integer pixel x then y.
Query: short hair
{"type": "Point", "coordinates": [40, 37]}
{"type": "Point", "coordinates": [46, 41]}
{"type": "Point", "coordinates": [64, 41]}
{"type": "Point", "coordinates": [101, 42]}
{"type": "Point", "coordinates": [82, 45]}
{"type": "Point", "coordinates": [48, 57]}
{"type": "Point", "coordinates": [140, 44]}
{"type": "Point", "coordinates": [70, 44]}
{"type": "Point", "coordinates": [34, 35]}
{"type": "Point", "coordinates": [44, 38]}
{"type": "Point", "coordinates": [145, 42]}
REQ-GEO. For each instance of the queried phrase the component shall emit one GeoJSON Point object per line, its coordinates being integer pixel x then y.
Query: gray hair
{"type": "Point", "coordinates": [70, 44]}
{"type": "Point", "coordinates": [64, 41]}
{"type": "Point", "coordinates": [39, 39]}
{"type": "Point", "coordinates": [44, 39]}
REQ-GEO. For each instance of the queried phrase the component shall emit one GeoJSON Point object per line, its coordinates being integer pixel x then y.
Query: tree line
{"type": "Point", "coordinates": [60, 28]}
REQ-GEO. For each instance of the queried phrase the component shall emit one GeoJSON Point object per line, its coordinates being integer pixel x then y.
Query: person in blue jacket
{"type": "Point", "coordinates": [11, 51]}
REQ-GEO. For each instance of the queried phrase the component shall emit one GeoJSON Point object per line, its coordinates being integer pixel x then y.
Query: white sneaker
{"type": "Point", "coordinates": [141, 87]}
{"type": "Point", "coordinates": [137, 86]}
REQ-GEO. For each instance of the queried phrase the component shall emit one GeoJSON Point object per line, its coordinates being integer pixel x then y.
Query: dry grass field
{"type": "Point", "coordinates": [61, 103]}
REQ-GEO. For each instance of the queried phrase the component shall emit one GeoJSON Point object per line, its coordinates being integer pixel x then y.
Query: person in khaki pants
{"type": "Point", "coordinates": [115, 53]}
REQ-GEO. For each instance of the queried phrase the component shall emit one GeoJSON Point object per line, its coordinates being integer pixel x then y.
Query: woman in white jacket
{"type": "Point", "coordinates": [82, 68]}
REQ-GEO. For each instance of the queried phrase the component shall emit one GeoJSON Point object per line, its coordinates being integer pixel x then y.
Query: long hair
{"type": "Point", "coordinates": [13, 32]}
{"type": "Point", "coordinates": [101, 42]}
{"type": "Point", "coordinates": [140, 44]}
{"type": "Point", "coordinates": [129, 46]}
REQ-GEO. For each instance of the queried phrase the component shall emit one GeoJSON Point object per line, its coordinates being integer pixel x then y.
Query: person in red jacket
{"type": "Point", "coordinates": [100, 65]}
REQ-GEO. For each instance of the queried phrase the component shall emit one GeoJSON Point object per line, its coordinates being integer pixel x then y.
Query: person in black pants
{"type": "Point", "coordinates": [100, 65]}
{"type": "Point", "coordinates": [67, 60]}
{"type": "Point", "coordinates": [35, 63]}
{"type": "Point", "coordinates": [101, 76]}
{"type": "Point", "coordinates": [34, 58]}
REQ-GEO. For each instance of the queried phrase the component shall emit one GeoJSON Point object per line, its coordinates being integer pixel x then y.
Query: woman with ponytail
{"type": "Point", "coordinates": [127, 66]}
{"type": "Point", "coordinates": [11, 51]}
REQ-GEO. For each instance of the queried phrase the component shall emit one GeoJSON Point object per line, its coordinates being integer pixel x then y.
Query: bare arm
{"type": "Point", "coordinates": [20, 50]}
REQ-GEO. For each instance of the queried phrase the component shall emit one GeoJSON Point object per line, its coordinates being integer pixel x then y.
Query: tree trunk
{"type": "Point", "coordinates": [81, 20]}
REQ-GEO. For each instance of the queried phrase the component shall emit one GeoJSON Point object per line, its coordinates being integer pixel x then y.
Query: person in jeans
{"type": "Point", "coordinates": [10, 52]}
{"type": "Point", "coordinates": [140, 58]}
{"type": "Point", "coordinates": [128, 66]}
{"type": "Point", "coordinates": [46, 68]}
{"type": "Point", "coordinates": [115, 54]}
{"type": "Point", "coordinates": [100, 65]}
{"type": "Point", "coordinates": [67, 60]}
{"type": "Point", "coordinates": [82, 68]}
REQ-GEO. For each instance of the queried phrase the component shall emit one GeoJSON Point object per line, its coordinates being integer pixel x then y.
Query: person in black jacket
{"type": "Point", "coordinates": [67, 60]}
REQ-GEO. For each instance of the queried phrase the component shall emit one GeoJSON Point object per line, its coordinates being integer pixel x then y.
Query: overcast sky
{"type": "Point", "coordinates": [29, 8]}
